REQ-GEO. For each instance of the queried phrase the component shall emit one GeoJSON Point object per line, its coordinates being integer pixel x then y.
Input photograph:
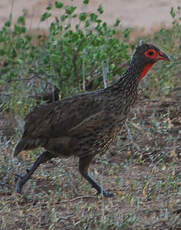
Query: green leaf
{"type": "Point", "coordinates": [7, 23]}
{"type": "Point", "coordinates": [63, 17]}
{"type": "Point", "coordinates": [86, 2]}
{"type": "Point", "coordinates": [126, 33]}
{"type": "Point", "coordinates": [87, 23]}
{"type": "Point", "coordinates": [83, 16]}
{"type": "Point", "coordinates": [172, 12]}
{"type": "Point", "coordinates": [55, 58]}
{"type": "Point", "coordinates": [2, 81]}
{"type": "Point", "coordinates": [2, 52]}
{"type": "Point", "coordinates": [70, 9]}
{"type": "Point", "coordinates": [45, 16]}
{"type": "Point", "coordinates": [100, 9]}
{"type": "Point", "coordinates": [59, 5]}
{"type": "Point", "coordinates": [49, 7]}
{"type": "Point", "coordinates": [19, 29]}
{"type": "Point", "coordinates": [21, 20]}
{"type": "Point", "coordinates": [19, 61]}
{"type": "Point", "coordinates": [117, 22]}
{"type": "Point", "coordinates": [93, 17]}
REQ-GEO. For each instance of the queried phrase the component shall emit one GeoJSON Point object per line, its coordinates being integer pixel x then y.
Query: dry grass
{"type": "Point", "coordinates": [143, 169]}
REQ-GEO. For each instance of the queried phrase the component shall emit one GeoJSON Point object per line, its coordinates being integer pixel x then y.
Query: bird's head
{"type": "Point", "coordinates": [145, 56]}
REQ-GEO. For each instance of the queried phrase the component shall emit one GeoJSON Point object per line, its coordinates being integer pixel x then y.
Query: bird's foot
{"type": "Point", "coordinates": [19, 185]}
{"type": "Point", "coordinates": [106, 193]}
{"type": "Point", "coordinates": [17, 177]}
{"type": "Point", "coordinates": [21, 180]}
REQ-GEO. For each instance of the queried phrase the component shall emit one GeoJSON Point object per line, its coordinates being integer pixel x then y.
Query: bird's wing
{"type": "Point", "coordinates": [57, 119]}
{"type": "Point", "coordinates": [89, 124]}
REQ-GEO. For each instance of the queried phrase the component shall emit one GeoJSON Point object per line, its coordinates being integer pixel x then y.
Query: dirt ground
{"type": "Point", "coordinates": [150, 14]}
{"type": "Point", "coordinates": [143, 170]}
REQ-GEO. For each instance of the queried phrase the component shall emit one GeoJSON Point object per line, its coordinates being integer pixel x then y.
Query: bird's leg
{"type": "Point", "coordinates": [45, 156]}
{"type": "Point", "coordinates": [83, 169]}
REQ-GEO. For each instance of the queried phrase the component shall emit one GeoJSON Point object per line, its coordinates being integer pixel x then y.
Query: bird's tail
{"type": "Point", "coordinates": [25, 144]}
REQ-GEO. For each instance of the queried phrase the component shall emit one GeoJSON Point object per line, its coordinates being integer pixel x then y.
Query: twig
{"type": "Point", "coordinates": [62, 218]}
{"type": "Point", "coordinates": [104, 73]}
{"type": "Point", "coordinates": [22, 79]}
{"type": "Point", "coordinates": [35, 76]}
{"type": "Point", "coordinates": [83, 71]}
{"type": "Point", "coordinates": [77, 198]}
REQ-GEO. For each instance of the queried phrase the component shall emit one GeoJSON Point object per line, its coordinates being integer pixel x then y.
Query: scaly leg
{"type": "Point", "coordinates": [45, 156]}
{"type": "Point", "coordinates": [83, 169]}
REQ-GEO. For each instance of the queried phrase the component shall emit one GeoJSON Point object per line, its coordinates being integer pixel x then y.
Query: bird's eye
{"type": "Point", "coordinates": [150, 53]}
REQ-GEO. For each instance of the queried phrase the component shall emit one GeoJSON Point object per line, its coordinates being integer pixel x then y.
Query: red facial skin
{"type": "Point", "coordinates": [155, 56]}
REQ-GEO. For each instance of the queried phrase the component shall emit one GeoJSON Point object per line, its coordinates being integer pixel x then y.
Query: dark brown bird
{"type": "Point", "coordinates": [86, 124]}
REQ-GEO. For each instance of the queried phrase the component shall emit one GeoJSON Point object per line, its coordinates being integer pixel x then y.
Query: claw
{"type": "Point", "coordinates": [106, 193]}
{"type": "Point", "coordinates": [19, 185]}
{"type": "Point", "coordinates": [16, 177]}
{"type": "Point", "coordinates": [19, 188]}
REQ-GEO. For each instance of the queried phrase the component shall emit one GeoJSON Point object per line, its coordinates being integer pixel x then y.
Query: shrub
{"type": "Point", "coordinates": [79, 49]}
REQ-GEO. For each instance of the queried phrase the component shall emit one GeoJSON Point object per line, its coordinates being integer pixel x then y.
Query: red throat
{"type": "Point", "coordinates": [145, 70]}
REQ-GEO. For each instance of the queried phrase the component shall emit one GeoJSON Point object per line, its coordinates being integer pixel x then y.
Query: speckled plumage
{"type": "Point", "coordinates": [86, 124]}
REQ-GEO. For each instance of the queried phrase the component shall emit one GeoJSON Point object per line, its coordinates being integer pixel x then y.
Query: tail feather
{"type": "Point", "coordinates": [19, 147]}
{"type": "Point", "coordinates": [25, 144]}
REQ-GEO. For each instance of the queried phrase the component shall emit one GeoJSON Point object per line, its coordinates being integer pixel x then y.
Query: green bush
{"type": "Point", "coordinates": [79, 49]}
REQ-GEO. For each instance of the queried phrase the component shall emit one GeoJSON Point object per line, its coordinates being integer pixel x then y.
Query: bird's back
{"type": "Point", "coordinates": [64, 122]}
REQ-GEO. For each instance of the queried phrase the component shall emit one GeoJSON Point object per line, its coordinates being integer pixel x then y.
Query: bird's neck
{"type": "Point", "coordinates": [124, 91]}
{"type": "Point", "coordinates": [136, 71]}
{"type": "Point", "coordinates": [130, 79]}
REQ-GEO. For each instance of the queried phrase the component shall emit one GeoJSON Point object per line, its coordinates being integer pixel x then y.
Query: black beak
{"type": "Point", "coordinates": [163, 56]}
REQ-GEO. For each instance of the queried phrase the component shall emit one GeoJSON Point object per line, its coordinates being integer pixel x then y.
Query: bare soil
{"type": "Point", "coordinates": [143, 169]}
{"type": "Point", "coordinates": [149, 15]}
